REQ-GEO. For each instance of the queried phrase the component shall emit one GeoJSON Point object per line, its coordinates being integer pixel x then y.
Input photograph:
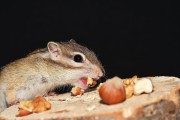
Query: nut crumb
{"type": "Point", "coordinates": [76, 91]}
{"type": "Point", "coordinates": [91, 82]}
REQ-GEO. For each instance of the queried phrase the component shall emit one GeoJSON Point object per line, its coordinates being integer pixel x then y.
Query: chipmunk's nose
{"type": "Point", "coordinates": [99, 72]}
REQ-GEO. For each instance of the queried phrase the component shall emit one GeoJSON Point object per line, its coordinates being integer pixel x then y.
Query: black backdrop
{"type": "Point", "coordinates": [135, 38]}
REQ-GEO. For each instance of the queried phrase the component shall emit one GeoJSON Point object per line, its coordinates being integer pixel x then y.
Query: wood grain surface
{"type": "Point", "coordinates": [161, 104]}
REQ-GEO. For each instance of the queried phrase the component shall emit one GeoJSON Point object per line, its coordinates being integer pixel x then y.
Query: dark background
{"type": "Point", "coordinates": [130, 38]}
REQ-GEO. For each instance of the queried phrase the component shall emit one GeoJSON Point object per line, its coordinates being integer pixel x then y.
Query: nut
{"type": "Point", "coordinates": [143, 85]}
{"type": "Point", "coordinates": [91, 82]}
{"type": "Point", "coordinates": [129, 86]}
{"type": "Point", "coordinates": [23, 112]}
{"type": "Point", "coordinates": [39, 104]}
{"type": "Point", "coordinates": [76, 91]}
{"type": "Point", "coordinates": [112, 91]}
{"type": "Point", "coordinates": [130, 81]}
{"type": "Point", "coordinates": [25, 105]}
{"type": "Point", "coordinates": [129, 91]}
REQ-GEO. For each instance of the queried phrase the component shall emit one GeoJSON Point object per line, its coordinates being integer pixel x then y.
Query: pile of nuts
{"type": "Point", "coordinates": [116, 90]}
{"type": "Point", "coordinates": [39, 104]}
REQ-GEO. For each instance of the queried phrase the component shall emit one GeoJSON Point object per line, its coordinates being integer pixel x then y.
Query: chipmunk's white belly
{"type": "Point", "coordinates": [33, 90]}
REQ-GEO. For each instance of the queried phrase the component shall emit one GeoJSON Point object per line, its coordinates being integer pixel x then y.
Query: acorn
{"type": "Point", "coordinates": [112, 91]}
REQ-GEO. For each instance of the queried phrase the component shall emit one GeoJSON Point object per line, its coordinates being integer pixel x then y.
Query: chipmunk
{"type": "Point", "coordinates": [45, 69]}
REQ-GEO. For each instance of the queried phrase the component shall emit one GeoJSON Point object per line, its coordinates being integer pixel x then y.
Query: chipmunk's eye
{"type": "Point", "coordinates": [78, 58]}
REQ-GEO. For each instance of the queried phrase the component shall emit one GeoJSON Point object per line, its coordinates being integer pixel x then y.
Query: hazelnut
{"type": "Point", "coordinates": [112, 91]}
{"type": "Point", "coordinates": [143, 85]}
{"type": "Point", "coordinates": [76, 91]}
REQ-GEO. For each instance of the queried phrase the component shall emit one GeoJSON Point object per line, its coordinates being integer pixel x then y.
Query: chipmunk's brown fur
{"type": "Point", "coordinates": [44, 69]}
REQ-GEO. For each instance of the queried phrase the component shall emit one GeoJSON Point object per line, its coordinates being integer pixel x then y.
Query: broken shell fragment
{"type": "Point", "coordinates": [143, 85]}
{"type": "Point", "coordinates": [23, 112]}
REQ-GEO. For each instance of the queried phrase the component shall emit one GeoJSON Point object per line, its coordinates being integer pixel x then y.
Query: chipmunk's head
{"type": "Point", "coordinates": [78, 62]}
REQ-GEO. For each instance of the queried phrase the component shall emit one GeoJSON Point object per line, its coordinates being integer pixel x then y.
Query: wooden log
{"type": "Point", "coordinates": [162, 104]}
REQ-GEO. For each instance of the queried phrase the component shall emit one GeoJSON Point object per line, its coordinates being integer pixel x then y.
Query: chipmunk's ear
{"type": "Point", "coordinates": [72, 41]}
{"type": "Point", "coordinates": [54, 50]}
